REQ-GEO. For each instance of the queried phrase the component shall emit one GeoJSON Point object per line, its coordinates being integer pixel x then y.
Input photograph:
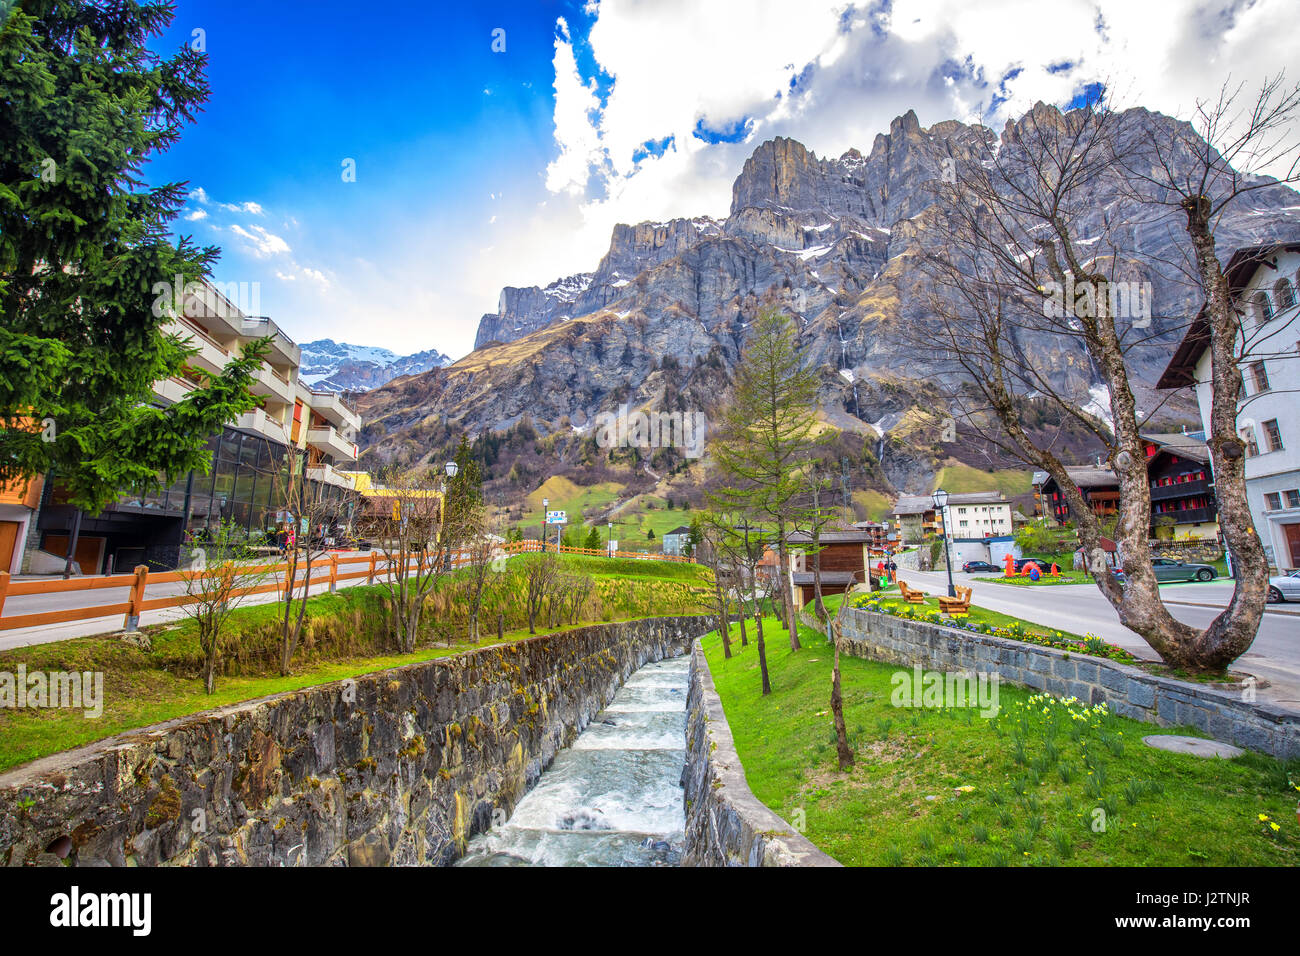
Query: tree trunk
{"type": "Point", "coordinates": [818, 607]}
{"type": "Point", "coordinates": [842, 748]}
{"type": "Point", "coordinates": [786, 597]}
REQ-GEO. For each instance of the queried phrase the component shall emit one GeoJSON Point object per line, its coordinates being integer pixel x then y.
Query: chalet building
{"type": "Point", "coordinates": [1182, 492]}
{"type": "Point", "coordinates": [881, 532]}
{"type": "Point", "coordinates": [1098, 485]}
{"type": "Point", "coordinates": [845, 558]}
{"type": "Point", "coordinates": [914, 517]}
{"type": "Point", "coordinates": [1263, 281]}
{"type": "Point", "coordinates": [248, 456]}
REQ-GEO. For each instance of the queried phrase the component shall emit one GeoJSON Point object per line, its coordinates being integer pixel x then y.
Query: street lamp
{"type": "Point", "coordinates": [545, 504]}
{"type": "Point", "coordinates": [941, 502]}
{"type": "Point", "coordinates": [609, 541]}
{"type": "Point", "coordinates": [452, 468]}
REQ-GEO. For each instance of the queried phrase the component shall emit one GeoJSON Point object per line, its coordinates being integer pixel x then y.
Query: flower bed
{"type": "Point", "coordinates": [1016, 631]}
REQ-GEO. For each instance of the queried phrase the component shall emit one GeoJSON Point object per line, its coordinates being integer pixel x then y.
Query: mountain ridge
{"type": "Point", "coordinates": [661, 319]}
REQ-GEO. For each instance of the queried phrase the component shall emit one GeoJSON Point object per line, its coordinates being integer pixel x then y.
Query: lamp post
{"type": "Point", "coordinates": [545, 504]}
{"type": "Point", "coordinates": [941, 502]}
{"type": "Point", "coordinates": [609, 540]}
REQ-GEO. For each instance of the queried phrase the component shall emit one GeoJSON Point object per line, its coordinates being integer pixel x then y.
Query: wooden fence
{"type": "Point", "coordinates": [370, 566]}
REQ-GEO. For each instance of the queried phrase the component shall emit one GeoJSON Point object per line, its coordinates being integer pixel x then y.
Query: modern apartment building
{"type": "Point", "coordinates": [979, 514]}
{"type": "Point", "coordinates": [1264, 281]}
{"type": "Point", "coordinates": [248, 456]}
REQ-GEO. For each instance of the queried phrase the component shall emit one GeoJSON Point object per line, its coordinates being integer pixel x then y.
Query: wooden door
{"type": "Point", "coordinates": [8, 541]}
{"type": "Point", "coordinates": [1292, 532]}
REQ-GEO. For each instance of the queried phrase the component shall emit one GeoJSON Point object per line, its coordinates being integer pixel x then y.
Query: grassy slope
{"type": "Point", "coordinates": [143, 688]}
{"type": "Point", "coordinates": [964, 479]}
{"type": "Point", "coordinates": [1205, 813]}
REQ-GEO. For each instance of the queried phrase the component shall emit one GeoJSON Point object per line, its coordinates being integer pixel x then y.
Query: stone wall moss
{"type": "Point", "coordinates": [397, 767]}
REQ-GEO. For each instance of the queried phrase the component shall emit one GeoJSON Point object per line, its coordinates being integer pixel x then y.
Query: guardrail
{"type": "Point", "coordinates": [373, 566]}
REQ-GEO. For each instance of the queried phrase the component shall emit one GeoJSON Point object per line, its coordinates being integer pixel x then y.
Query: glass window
{"type": "Point", "coordinates": [1273, 435]}
{"type": "Point", "coordinates": [1273, 501]}
{"type": "Point", "coordinates": [1293, 498]}
{"type": "Point", "coordinates": [1285, 293]}
{"type": "Point", "coordinates": [1260, 373]}
{"type": "Point", "coordinates": [1252, 446]}
{"type": "Point", "coordinates": [1263, 308]}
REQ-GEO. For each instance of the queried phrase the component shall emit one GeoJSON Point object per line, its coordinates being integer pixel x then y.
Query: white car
{"type": "Point", "coordinates": [1284, 587]}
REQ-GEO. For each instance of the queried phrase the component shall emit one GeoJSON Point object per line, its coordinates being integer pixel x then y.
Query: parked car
{"type": "Point", "coordinates": [970, 567]}
{"type": "Point", "coordinates": [1167, 569]}
{"type": "Point", "coordinates": [1284, 587]}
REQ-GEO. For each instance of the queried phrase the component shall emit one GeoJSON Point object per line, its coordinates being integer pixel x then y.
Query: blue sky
{"type": "Point", "coordinates": [478, 169]}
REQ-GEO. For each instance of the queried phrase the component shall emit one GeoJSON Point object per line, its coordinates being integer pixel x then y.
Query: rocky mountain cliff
{"type": "Point", "coordinates": [340, 367]}
{"type": "Point", "coordinates": [832, 240]}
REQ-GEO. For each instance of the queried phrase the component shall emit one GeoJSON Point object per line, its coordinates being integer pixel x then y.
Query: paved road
{"type": "Point", "coordinates": [36, 603]}
{"type": "Point", "coordinates": [1274, 657]}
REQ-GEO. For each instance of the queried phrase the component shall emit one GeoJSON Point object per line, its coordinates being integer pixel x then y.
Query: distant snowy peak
{"type": "Point", "coordinates": [342, 367]}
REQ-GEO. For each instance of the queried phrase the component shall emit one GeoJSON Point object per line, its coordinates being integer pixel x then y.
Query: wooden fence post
{"type": "Point", "coordinates": [132, 620]}
{"type": "Point", "coordinates": [334, 572]}
{"type": "Point", "coordinates": [374, 558]}
{"type": "Point", "coordinates": [4, 587]}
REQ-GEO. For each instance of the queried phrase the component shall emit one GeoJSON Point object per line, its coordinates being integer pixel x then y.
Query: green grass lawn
{"type": "Point", "coordinates": [345, 637]}
{"type": "Point", "coordinates": [944, 786]}
{"type": "Point", "coordinates": [893, 600]}
{"type": "Point", "coordinates": [1046, 580]}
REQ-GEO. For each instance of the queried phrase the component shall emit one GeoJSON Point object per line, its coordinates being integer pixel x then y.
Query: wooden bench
{"type": "Point", "coordinates": [911, 596]}
{"type": "Point", "coordinates": [956, 605]}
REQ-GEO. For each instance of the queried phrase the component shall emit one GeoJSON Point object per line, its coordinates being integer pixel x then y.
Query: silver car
{"type": "Point", "coordinates": [1284, 587]}
{"type": "Point", "coordinates": [1167, 569]}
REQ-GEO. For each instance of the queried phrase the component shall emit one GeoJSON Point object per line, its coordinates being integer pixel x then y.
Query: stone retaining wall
{"type": "Point", "coordinates": [1127, 690]}
{"type": "Point", "coordinates": [396, 767]}
{"type": "Point", "coordinates": [726, 825]}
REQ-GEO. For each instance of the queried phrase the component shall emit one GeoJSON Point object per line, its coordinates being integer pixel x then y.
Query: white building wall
{"type": "Point", "coordinates": [1276, 343]}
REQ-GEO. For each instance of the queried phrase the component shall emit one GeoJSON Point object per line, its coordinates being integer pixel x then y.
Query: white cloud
{"type": "Point", "coordinates": [264, 242]}
{"type": "Point", "coordinates": [669, 66]}
{"type": "Point", "coordinates": [197, 214]}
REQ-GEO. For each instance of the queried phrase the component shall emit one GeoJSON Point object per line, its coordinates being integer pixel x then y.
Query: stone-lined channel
{"type": "Point", "coordinates": [614, 798]}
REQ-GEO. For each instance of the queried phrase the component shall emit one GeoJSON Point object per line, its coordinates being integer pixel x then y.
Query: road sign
{"type": "Point", "coordinates": [556, 517]}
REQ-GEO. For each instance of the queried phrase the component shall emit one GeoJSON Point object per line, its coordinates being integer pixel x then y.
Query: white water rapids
{"type": "Point", "coordinates": [613, 798]}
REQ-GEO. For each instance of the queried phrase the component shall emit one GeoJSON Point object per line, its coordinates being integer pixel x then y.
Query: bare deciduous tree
{"type": "Point", "coordinates": [311, 512]}
{"type": "Point", "coordinates": [1030, 255]}
{"type": "Point", "coordinates": [221, 570]}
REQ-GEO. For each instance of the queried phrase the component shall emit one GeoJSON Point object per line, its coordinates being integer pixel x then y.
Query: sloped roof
{"type": "Point", "coordinates": [1181, 370]}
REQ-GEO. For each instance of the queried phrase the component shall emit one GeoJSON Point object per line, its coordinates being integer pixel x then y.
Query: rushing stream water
{"type": "Point", "coordinates": [614, 798]}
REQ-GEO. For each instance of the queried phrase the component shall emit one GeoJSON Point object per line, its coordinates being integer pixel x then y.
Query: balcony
{"type": "Point", "coordinates": [1187, 516]}
{"type": "Point", "coordinates": [329, 441]}
{"type": "Point", "coordinates": [329, 475]}
{"type": "Point", "coordinates": [283, 351]}
{"type": "Point", "coordinates": [333, 408]}
{"type": "Point", "coordinates": [259, 421]}
{"type": "Point", "coordinates": [211, 357]}
{"type": "Point", "coordinates": [214, 310]}
{"type": "Point", "coordinates": [267, 383]}
{"type": "Point", "coordinates": [172, 390]}
{"type": "Point", "coordinates": [1185, 489]}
